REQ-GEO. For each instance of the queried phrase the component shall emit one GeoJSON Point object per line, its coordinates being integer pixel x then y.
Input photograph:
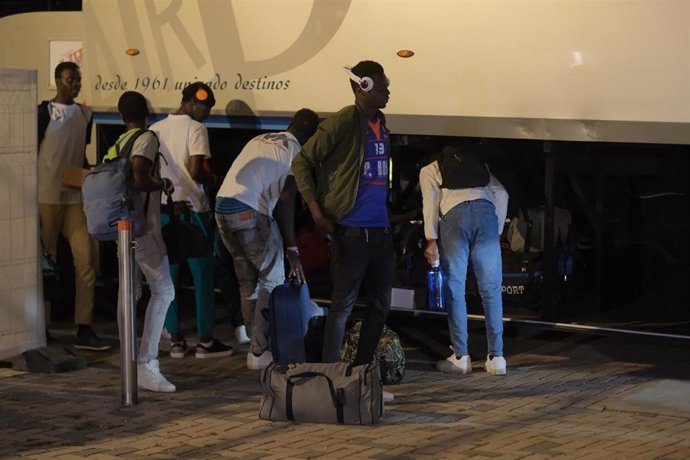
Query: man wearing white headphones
{"type": "Point", "coordinates": [342, 174]}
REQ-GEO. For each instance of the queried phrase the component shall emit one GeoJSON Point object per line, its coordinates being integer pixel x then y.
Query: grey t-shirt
{"type": "Point", "coordinates": [64, 145]}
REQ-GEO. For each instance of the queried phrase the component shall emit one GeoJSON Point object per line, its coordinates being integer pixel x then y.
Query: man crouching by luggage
{"type": "Point", "coordinates": [258, 180]}
{"type": "Point", "coordinates": [151, 257]}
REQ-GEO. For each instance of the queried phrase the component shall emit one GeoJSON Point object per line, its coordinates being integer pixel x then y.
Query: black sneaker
{"type": "Point", "coordinates": [178, 349]}
{"type": "Point", "coordinates": [88, 340]}
{"type": "Point", "coordinates": [212, 349]}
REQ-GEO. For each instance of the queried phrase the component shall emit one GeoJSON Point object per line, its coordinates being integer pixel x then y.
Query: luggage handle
{"type": "Point", "coordinates": [338, 396]}
{"type": "Point", "coordinates": [291, 379]}
{"type": "Point", "coordinates": [292, 282]}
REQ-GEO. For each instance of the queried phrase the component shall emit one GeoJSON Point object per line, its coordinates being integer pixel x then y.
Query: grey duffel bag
{"type": "Point", "coordinates": [322, 393]}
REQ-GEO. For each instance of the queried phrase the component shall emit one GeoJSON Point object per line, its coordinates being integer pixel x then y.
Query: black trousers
{"type": "Point", "coordinates": [359, 255]}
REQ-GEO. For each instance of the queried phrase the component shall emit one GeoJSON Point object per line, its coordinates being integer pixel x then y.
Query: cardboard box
{"type": "Point", "coordinates": [74, 177]}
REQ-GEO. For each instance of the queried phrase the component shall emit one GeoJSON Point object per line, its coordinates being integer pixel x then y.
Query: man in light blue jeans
{"type": "Point", "coordinates": [463, 220]}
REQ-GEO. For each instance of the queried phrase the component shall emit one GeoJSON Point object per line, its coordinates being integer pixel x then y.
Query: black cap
{"type": "Point", "coordinates": [199, 92]}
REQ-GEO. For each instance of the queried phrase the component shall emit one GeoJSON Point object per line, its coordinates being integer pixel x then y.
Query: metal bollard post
{"type": "Point", "coordinates": [126, 316]}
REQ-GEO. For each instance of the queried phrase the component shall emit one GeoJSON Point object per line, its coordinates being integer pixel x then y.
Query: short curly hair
{"type": "Point", "coordinates": [65, 65]}
{"type": "Point", "coordinates": [133, 106]}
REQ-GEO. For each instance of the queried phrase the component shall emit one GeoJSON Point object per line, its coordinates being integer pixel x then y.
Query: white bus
{"type": "Point", "coordinates": [586, 103]}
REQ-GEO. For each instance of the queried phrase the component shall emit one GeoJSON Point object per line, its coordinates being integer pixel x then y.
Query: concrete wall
{"type": "Point", "coordinates": [22, 322]}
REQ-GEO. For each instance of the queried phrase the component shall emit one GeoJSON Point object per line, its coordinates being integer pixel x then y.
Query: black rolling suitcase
{"type": "Point", "coordinates": [289, 312]}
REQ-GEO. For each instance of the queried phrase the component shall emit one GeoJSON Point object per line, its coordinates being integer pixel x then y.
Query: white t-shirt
{"type": "Point", "coordinates": [146, 145]}
{"type": "Point", "coordinates": [182, 137]}
{"type": "Point", "coordinates": [64, 145]}
{"type": "Point", "coordinates": [258, 174]}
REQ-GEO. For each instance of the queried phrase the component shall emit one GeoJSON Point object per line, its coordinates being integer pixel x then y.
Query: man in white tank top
{"type": "Point", "coordinates": [64, 132]}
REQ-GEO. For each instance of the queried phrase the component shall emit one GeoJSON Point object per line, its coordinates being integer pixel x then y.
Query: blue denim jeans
{"type": "Point", "coordinates": [469, 233]}
{"type": "Point", "coordinates": [256, 246]}
{"type": "Point", "coordinates": [359, 256]}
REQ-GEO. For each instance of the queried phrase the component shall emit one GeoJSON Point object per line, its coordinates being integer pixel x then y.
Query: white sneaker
{"type": "Point", "coordinates": [259, 362]}
{"type": "Point", "coordinates": [387, 396]}
{"type": "Point", "coordinates": [241, 335]}
{"type": "Point", "coordinates": [495, 365]}
{"type": "Point", "coordinates": [150, 378]}
{"type": "Point", "coordinates": [462, 365]}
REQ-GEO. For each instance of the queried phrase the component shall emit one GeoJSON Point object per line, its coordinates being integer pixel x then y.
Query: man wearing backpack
{"type": "Point", "coordinates": [64, 129]}
{"type": "Point", "coordinates": [185, 147]}
{"type": "Point", "coordinates": [150, 254]}
{"type": "Point", "coordinates": [465, 208]}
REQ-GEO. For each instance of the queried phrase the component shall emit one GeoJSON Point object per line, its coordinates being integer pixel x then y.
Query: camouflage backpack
{"type": "Point", "coordinates": [389, 353]}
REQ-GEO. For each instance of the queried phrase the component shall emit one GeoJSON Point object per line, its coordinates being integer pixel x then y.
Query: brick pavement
{"type": "Point", "coordinates": [564, 397]}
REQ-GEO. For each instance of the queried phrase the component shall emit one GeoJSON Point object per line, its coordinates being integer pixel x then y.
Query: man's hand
{"type": "Point", "coordinates": [168, 187]}
{"type": "Point", "coordinates": [324, 225]}
{"type": "Point", "coordinates": [431, 252]}
{"type": "Point", "coordinates": [296, 270]}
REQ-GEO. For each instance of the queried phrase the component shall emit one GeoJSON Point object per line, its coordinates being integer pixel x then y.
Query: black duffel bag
{"type": "Point", "coordinates": [183, 238]}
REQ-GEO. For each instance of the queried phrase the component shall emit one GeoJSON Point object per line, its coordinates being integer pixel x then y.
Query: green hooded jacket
{"type": "Point", "coordinates": [327, 168]}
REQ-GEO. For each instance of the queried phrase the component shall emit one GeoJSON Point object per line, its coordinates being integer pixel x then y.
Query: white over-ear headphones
{"type": "Point", "coordinates": [366, 84]}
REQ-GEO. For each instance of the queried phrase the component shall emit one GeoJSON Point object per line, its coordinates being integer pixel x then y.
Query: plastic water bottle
{"type": "Point", "coordinates": [435, 287]}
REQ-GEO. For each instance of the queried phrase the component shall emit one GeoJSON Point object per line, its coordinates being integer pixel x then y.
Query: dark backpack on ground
{"type": "Point", "coordinates": [390, 354]}
{"type": "Point", "coordinates": [461, 170]}
{"type": "Point", "coordinates": [108, 195]}
{"type": "Point", "coordinates": [313, 339]}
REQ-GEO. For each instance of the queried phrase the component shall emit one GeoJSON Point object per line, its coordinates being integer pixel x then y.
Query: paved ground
{"type": "Point", "coordinates": [567, 396]}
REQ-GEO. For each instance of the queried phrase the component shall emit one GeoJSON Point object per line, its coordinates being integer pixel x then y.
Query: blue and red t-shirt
{"type": "Point", "coordinates": [370, 208]}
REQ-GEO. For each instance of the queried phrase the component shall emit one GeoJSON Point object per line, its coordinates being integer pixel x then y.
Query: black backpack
{"type": "Point", "coordinates": [461, 170]}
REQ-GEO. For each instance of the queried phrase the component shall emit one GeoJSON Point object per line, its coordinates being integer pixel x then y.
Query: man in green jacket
{"type": "Point", "coordinates": [342, 174]}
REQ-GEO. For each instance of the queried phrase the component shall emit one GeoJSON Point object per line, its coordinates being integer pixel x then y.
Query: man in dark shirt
{"type": "Point", "coordinates": [349, 157]}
